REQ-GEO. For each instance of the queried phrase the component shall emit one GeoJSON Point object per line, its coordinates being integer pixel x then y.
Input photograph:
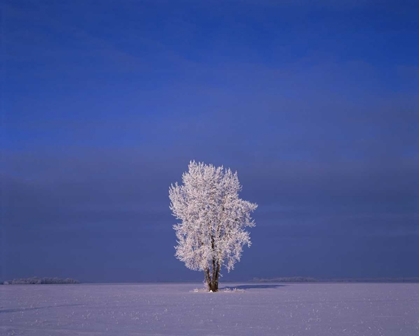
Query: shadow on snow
{"type": "Point", "coordinates": [252, 287]}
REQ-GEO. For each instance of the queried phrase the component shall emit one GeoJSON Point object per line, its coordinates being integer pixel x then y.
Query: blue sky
{"type": "Point", "coordinates": [105, 103]}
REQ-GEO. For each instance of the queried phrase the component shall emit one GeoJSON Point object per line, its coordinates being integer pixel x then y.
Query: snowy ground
{"type": "Point", "coordinates": [175, 309]}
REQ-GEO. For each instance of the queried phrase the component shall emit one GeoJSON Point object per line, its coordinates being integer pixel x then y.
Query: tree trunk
{"type": "Point", "coordinates": [215, 277]}
{"type": "Point", "coordinates": [212, 278]}
{"type": "Point", "coordinates": [212, 283]}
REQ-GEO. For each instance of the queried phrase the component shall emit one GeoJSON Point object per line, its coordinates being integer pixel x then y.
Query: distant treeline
{"type": "Point", "coordinates": [40, 281]}
{"type": "Point", "coordinates": [308, 279]}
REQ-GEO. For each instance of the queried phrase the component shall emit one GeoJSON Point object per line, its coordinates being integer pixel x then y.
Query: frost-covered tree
{"type": "Point", "coordinates": [213, 218]}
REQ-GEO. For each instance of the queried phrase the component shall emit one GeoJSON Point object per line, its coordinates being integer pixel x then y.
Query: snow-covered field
{"type": "Point", "coordinates": [175, 309]}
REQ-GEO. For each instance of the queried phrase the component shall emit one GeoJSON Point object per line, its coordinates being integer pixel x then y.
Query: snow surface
{"type": "Point", "coordinates": [176, 309]}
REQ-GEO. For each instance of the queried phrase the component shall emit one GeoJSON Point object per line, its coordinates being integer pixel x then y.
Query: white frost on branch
{"type": "Point", "coordinates": [213, 217]}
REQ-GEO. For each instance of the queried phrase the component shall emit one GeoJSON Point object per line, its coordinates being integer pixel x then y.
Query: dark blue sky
{"type": "Point", "coordinates": [104, 103]}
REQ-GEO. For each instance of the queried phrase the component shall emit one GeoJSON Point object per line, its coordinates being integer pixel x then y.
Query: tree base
{"type": "Point", "coordinates": [212, 286]}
